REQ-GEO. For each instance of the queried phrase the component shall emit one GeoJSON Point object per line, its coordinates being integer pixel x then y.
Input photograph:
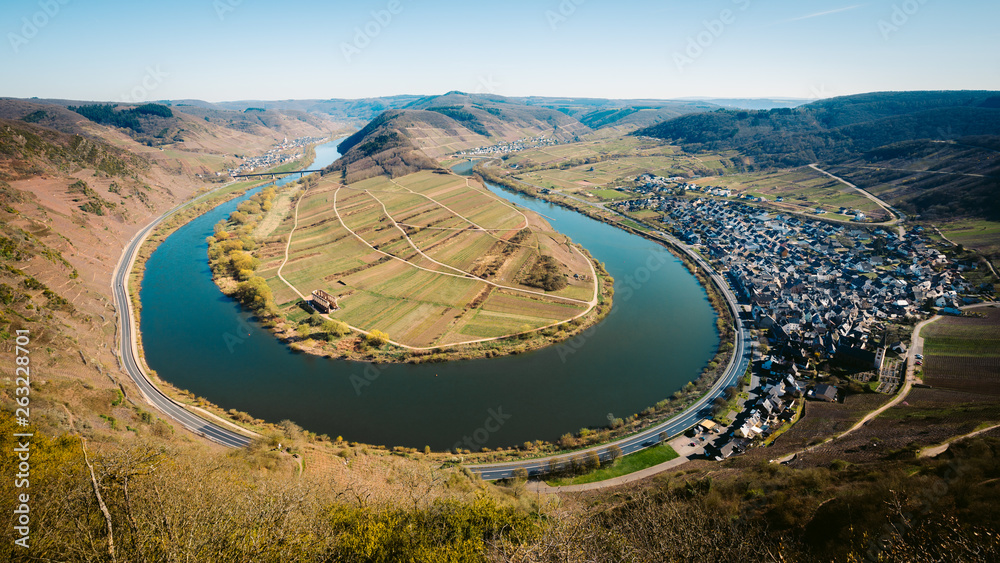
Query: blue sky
{"type": "Point", "coordinates": [252, 49]}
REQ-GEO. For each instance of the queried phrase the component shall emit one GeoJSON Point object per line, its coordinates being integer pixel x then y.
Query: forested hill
{"type": "Point", "coordinates": [836, 129]}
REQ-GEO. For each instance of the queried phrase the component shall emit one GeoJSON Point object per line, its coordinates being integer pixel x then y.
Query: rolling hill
{"type": "Point", "coordinates": [73, 192]}
{"type": "Point", "coordinates": [952, 132]}
{"type": "Point", "coordinates": [403, 141]}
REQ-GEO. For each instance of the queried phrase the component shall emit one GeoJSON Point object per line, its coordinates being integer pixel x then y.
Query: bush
{"type": "Point", "coordinates": [377, 338]}
{"type": "Point", "coordinates": [335, 329]}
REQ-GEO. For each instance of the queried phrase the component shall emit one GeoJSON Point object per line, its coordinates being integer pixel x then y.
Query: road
{"type": "Point", "coordinates": [897, 217]}
{"type": "Point", "coordinates": [128, 350]}
{"type": "Point", "coordinates": [738, 364]}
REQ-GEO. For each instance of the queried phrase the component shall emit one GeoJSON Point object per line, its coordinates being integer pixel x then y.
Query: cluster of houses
{"type": "Point", "coordinates": [652, 184]}
{"type": "Point", "coordinates": [773, 407]}
{"type": "Point", "coordinates": [509, 147]}
{"type": "Point", "coordinates": [821, 289]}
{"type": "Point", "coordinates": [275, 156]}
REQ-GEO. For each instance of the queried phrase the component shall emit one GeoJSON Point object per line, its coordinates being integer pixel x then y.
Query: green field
{"type": "Point", "coordinates": [423, 258]}
{"type": "Point", "coordinates": [628, 464]}
{"type": "Point", "coordinates": [589, 169]}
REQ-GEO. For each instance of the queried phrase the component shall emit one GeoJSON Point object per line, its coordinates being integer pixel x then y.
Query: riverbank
{"type": "Point", "coordinates": [206, 201]}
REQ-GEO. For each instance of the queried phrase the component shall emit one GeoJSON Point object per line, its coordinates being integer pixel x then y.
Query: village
{"type": "Point", "coordinates": [510, 147]}
{"type": "Point", "coordinates": [649, 183]}
{"type": "Point", "coordinates": [820, 297]}
{"type": "Point", "coordinates": [277, 155]}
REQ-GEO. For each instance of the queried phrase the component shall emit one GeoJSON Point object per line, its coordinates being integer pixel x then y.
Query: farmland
{"type": "Point", "coordinates": [964, 352]}
{"type": "Point", "coordinates": [431, 259]}
{"type": "Point", "coordinates": [980, 234]}
{"type": "Point", "coordinates": [592, 169]}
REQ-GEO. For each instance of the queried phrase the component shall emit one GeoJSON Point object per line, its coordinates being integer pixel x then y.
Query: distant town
{"type": "Point", "coordinates": [510, 147]}
{"type": "Point", "coordinates": [277, 155]}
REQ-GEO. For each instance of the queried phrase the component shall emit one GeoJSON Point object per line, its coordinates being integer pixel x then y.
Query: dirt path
{"type": "Point", "coordinates": [467, 220]}
{"type": "Point", "coordinates": [288, 245]}
{"type": "Point", "coordinates": [934, 451]}
{"type": "Point", "coordinates": [919, 171]}
{"type": "Point", "coordinates": [916, 347]}
{"type": "Point", "coordinates": [989, 263]}
{"type": "Point", "coordinates": [465, 275]}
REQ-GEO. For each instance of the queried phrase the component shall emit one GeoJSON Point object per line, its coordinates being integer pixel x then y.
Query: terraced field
{"type": "Point", "coordinates": [431, 259]}
{"type": "Point", "coordinates": [964, 352]}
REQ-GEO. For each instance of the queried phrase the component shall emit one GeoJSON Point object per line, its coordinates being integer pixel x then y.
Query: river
{"type": "Point", "coordinates": [659, 335]}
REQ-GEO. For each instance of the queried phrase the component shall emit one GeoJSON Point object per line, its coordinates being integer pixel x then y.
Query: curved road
{"type": "Point", "coordinates": [129, 351]}
{"type": "Point", "coordinates": [740, 360]}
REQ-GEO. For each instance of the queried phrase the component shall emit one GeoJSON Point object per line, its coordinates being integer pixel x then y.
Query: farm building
{"type": "Point", "coordinates": [825, 393]}
{"type": "Point", "coordinates": [323, 301]}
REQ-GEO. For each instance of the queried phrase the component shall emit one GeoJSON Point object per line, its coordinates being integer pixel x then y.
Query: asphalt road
{"type": "Point", "coordinates": [690, 417]}
{"type": "Point", "coordinates": [129, 354]}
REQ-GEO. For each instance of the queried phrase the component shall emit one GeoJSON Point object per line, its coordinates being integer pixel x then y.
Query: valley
{"type": "Point", "coordinates": [695, 302]}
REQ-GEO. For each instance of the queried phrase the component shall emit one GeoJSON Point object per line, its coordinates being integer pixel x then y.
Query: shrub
{"type": "Point", "coordinates": [377, 338]}
{"type": "Point", "coordinates": [335, 329]}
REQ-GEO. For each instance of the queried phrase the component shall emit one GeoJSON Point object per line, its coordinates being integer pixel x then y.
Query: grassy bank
{"type": "Point", "coordinates": [631, 463]}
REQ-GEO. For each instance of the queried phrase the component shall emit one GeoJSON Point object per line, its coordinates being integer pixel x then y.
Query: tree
{"type": "Point", "coordinates": [242, 264]}
{"type": "Point", "coordinates": [566, 441]}
{"type": "Point", "coordinates": [732, 392]}
{"type": "Point", "coordinates": [255, 294]}
{"type": "Point", "coordinates": [521, 474]}
{"type": "Point", "coordinates": [614, 452]}
{"type": "Point", "coordinates": [292, 431]}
